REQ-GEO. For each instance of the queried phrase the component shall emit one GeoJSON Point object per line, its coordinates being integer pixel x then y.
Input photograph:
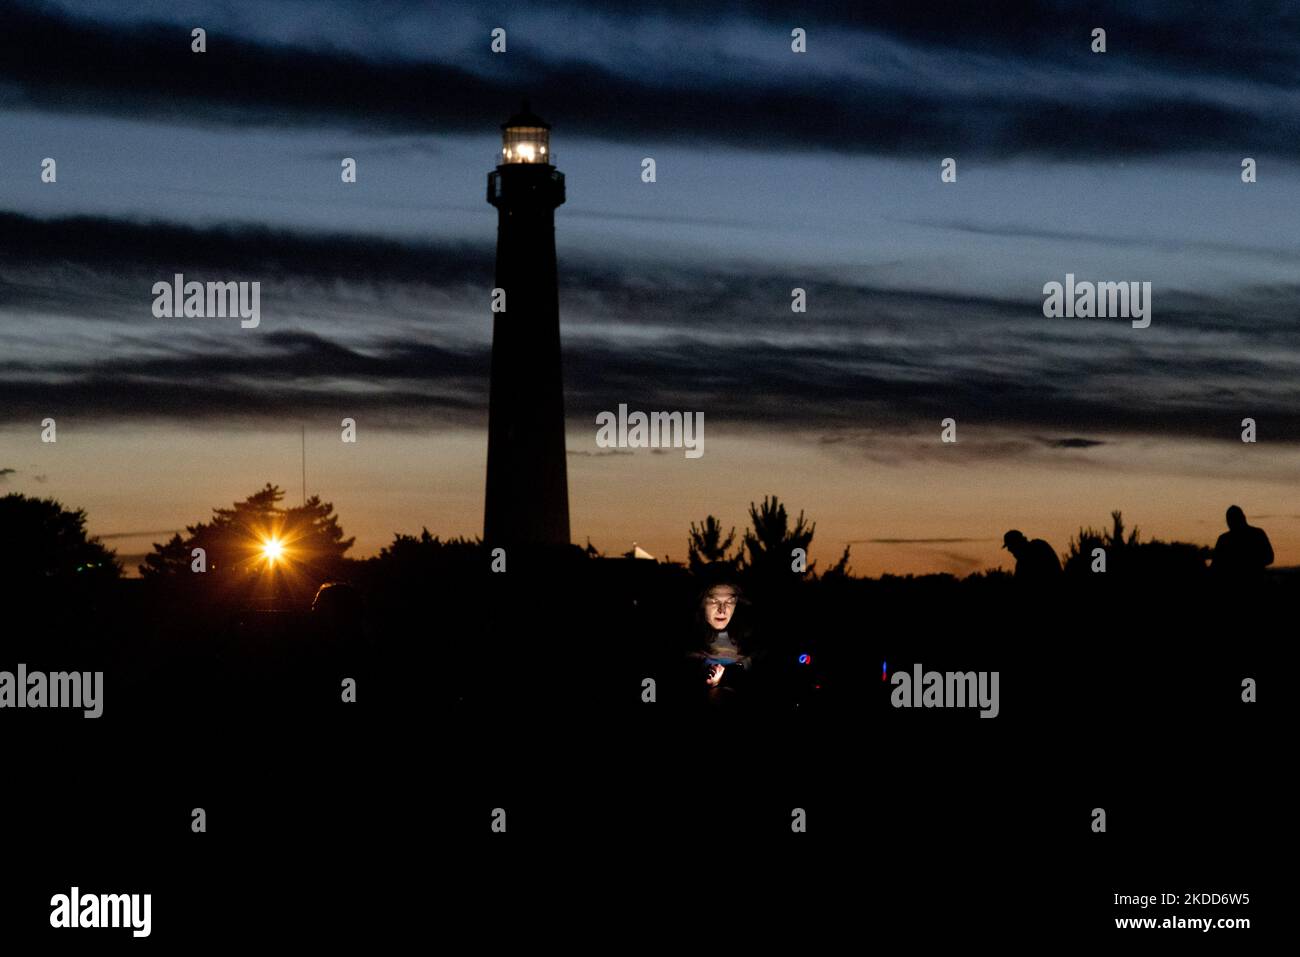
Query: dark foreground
{"type": "Point", "coordinates": [329, 820]}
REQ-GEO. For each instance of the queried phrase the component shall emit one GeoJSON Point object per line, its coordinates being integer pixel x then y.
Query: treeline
{"type": "Point", "coordinates": [258, 544]}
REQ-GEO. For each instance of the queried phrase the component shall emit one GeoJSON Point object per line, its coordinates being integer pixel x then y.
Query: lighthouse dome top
{"type": "Point", "coordinates": [525, 118]}
{"type": "Point", "coordinates": [526, 138]}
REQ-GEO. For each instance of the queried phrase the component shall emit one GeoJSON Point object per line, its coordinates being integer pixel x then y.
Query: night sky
{"type": "Point", "coordinates": [775, 170]}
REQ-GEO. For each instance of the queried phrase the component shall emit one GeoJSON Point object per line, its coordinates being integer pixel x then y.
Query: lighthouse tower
{"type": "Point", "coordinates": [527, 483]}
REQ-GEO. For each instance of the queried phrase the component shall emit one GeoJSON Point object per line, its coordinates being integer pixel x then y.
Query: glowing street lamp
{"type": "Point", "coordinates": [272, 550]}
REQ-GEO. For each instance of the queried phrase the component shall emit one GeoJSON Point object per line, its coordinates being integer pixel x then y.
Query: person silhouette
{"type": "Point", "coordinates": [1243, 550]}
{"type": "Point", "coordinates": [1035, 560]}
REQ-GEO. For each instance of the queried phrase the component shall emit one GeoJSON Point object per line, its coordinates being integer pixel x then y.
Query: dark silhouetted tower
{"type": "Point", "coordinates": [527, 484]}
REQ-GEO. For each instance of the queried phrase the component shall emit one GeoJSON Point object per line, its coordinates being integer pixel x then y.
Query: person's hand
{"type": "Point", "coordinates": [715, 675]}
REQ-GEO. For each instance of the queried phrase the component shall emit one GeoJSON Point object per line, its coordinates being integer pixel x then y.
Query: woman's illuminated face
{"type": "Point", "coordinates": [719, 606]}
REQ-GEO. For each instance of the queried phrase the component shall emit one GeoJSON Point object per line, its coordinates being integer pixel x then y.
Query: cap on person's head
{"type": "Point", "coordinates": [1015, 535]}
{"type": "Point", "coordinates": [1236, 516]}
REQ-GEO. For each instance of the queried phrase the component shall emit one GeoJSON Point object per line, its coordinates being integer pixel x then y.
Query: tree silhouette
{"type": "Point", "coordinates": [706, 545]}
{"type": "Point", "coordinates": [234, 543]}
{"type": "Point", "coordinates": [840, 569]}
{"type": "Point", "coordinates": [1078, 555]}
{"type": "Point", "coordinates": [770, 540]}
{"type": "Point", "coordinates": [1128, 556]}
{"type": "Point", "coordinates": [409, 550]}
{"type": "Point", "coordinates": [44, 540]}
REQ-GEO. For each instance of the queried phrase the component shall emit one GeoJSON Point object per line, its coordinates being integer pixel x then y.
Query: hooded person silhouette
{"type": "Point", "coordinates": [1036, 560]}
{"type": "Point", "coordinates": [1243, 551]}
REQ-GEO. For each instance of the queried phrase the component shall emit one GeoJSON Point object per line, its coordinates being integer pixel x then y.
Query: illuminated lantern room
{"type": "Point", "coordinates": [526, 138]}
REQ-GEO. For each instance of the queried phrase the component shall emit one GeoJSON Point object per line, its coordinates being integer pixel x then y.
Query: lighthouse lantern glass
{"type": "Point", "coordinates": [526, 144]}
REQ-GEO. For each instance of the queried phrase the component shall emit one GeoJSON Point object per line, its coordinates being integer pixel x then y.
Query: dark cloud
{"type": "Point", "coordinates": [693, 338]}
{"type": "Point", "coordinates": [1277, 252]}
{"type": "Point", "coordinates": [1072, 443]}
{"type": "Point", "coordinates": [159, 249]}
{"type": "Point", "coordinates": [1177, 35]}
{"type": "Point", "coordinates": [1137, 99]}
{"type": "Point", "coordinates": [408, 384]}
{"type": "Point", "coordinates": [164, 531]}
{"type": "Point", "coordinates": [961, 564]}
{"type": "Point", "coordinates": [5, 473]}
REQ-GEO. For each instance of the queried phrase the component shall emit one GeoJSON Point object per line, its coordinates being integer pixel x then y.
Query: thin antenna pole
{"type": "Point", "coordinates": [304, 466]}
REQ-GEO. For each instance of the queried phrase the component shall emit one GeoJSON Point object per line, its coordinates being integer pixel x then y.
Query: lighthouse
{"type": "Point", "coordinates": [527, 499]}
